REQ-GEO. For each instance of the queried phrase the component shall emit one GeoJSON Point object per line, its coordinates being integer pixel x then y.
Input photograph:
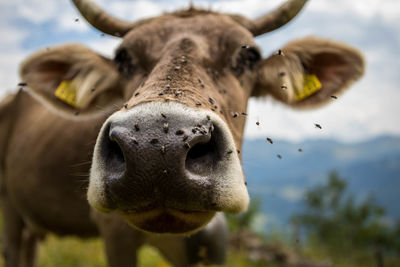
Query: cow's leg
{"type": "Point", "coordinates": [172, 248]}
{"type": "Point", "coordinates": [28, 249]}
{"type": "Point", "coordinates": [121, 240]}
{"type": "Point", "coordinates": [12, 234]}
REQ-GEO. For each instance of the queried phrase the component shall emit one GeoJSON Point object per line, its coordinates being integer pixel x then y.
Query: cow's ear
{"type": "Point", "coordinates": [309, 72]}
{"type": "Point", "coordinates": [72, 78]}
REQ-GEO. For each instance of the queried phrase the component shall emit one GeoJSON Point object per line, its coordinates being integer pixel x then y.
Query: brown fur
{"type": "Point", "coordinates": [184, 57]}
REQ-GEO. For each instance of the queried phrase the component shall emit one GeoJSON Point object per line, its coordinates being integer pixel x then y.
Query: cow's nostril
{"type": "Point", "coordinates": [116, 156]}
{"type": "Point", "coordinates": [200, 150]}
{"type": "Point", "coordinates": [113, 153]}
{"type": "Point", "coordinates": [202, 157]}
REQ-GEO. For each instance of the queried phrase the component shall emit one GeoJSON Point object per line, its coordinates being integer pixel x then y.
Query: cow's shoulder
{"type": "Point", "coordinates": [10, 107]}
{"type": "Point", "coordinates": [8, 113]}
{"type": "Point", "coordinates": [8, 110]}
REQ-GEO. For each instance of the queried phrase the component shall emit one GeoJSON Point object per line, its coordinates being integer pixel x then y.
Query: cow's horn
{"type": "Point", "coordinates": [103, 21]}
{"type": "Point", "coordinates": [273, 20]}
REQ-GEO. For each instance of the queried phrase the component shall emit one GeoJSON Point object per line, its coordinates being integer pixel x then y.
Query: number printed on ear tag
{"type": "Point", "coordinates": [311, 85]}
{"type": "Point", "coordinates": [66, 93]}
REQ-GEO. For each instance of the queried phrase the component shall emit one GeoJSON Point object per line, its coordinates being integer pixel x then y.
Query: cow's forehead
{"type": "Point", "coordinates": [214, 33]}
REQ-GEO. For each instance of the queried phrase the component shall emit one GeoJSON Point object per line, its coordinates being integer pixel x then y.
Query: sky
{"type": "Point", "coordinates": [370, 108]}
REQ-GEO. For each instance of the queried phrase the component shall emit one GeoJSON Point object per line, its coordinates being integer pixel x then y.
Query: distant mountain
{"type": "Point", "coordinates": [371, 168]}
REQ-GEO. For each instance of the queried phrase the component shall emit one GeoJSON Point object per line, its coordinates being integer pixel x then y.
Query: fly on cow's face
{"type": "Point", "coordinates": [187, 145]}
{"type": "Point", "coordinates": [165, 127]}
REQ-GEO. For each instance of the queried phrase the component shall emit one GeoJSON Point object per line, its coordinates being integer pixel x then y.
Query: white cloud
{"type": "Point", "coordinates": [389, 10]}
{"type": "Point", "coordinates": [133, 10]}
{"type": "Point", "coordinates": [292, 194]}
{"type": "Point", "coordinates": [9, 63]}
{"type": "Point", "coordinates": [105, 45]}
{"type": "Point", "coordinates": [11, 36]}
{"type": "Point", "coordinates": [34, 11]}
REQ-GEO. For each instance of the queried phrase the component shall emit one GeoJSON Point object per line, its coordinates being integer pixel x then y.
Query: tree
{"type": "Point", "coordinates": [334, 220]}
{"type": "Point", "coordinates": [244, 221]}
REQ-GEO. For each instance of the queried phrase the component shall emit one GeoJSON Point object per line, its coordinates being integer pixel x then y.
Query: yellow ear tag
{"type": "Point", "coordinates": [66, 93]}
{"type": "Point", "coordinates": [311, 85]}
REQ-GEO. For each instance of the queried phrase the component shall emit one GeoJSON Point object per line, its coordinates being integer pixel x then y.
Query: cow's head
{"type": "Point", "coordinates": [168, 159]}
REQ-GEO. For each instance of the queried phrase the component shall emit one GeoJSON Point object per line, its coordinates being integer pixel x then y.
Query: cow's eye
{"type": "Point", "coordinates": [124, 62]}
{"type": "Point", "coordinates": [250, 54]}
{"type": "Point", "coordinates": [253, 54]}
{"type": "Point", "coordinates": [246, 57]}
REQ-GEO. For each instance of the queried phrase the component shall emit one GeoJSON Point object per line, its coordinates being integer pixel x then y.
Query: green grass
{"type": "Point", "coordinates": [71, 251]}
{"type": "Point", "coordinates": [75, 252]}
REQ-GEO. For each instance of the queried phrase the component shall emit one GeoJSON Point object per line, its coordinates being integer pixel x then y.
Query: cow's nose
{"type": "Point", "coordinates": [187, 146]}
{"type": "Point", "coordinates": [166, 159]}
{"type": "Point", "coordinates": [162, 154]}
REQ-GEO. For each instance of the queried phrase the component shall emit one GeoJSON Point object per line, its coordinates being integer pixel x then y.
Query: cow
{"type": "Point", "coordinates": [145, 147]}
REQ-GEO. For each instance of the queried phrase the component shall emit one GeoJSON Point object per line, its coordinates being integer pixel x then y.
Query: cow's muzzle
{"type": "Point", "coordinates": [166, 168]}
